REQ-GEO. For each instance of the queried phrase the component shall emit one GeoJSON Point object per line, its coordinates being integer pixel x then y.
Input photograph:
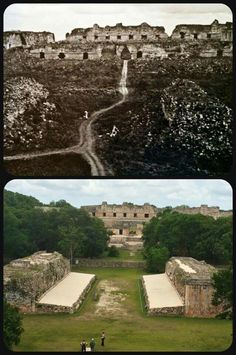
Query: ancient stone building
{"type": "Point", "coordinates": [192, 280]}
{"type": "Point", "coordinates": [215, 31]}
{"type": "Point", "coordinates": [213, 211]}
{"type": "Point", "coordinates": [43, 282]}
{"type": "Point", "coordinates": [26, 39]}
{"type": "Point", "coordinates": [117, 33]}
{"type": "Point", "coordinates": [26, 279]}
{"type": "Point", "coordinates": [128, 42]}
{"type": "Point", "coordinates": [125, 219]}
{"type": "Point", "coordinates": [185, 288]}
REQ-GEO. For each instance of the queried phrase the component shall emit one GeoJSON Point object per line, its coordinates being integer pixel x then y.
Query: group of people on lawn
{"type": "Point", "coordinates": [92, 343]}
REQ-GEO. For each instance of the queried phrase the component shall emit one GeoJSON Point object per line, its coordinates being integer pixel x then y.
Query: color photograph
{"type": "Point", "coordinates": [118, 265]}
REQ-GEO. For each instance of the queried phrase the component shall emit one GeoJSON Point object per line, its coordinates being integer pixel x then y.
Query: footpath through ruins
{"type": "Point", "coordinates": [86, 146]}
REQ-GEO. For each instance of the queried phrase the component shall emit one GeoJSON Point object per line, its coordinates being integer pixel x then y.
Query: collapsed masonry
{"type": "Point", "coordinates": [43, 282]}
{"type": "Point", "coordinates": [185, 288]}
{"type": "Point", "coordinates": [128, 42]}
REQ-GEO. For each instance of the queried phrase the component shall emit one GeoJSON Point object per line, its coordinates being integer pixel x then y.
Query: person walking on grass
{"type": "Point", "coordinates": [103, 339]}
{"type": "Point", "coordinates": [92, 344]}
{"type": "Point", "coordinates": [83, 346]}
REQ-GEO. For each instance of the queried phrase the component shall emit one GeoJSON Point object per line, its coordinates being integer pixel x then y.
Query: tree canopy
{"type": "Point", "coordinates": [66, 229]}
{"type": "Point", "coordinates": [197, 236]}
{"type": "Point", "coordinates": [12, 325]}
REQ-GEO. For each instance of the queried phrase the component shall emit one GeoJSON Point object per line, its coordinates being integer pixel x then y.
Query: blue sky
{"type": "Point", "coordinates": [62, 18]}
{"type": "Point", "coordinates": [162, 192]}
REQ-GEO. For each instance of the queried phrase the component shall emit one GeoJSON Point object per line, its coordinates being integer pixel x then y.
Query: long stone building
{"type": "Point", "coordinates": [127, 42]}
{"type": "Point", "coordinates": [117, 33]}
{"type": "Point", "coordinates": [184, 289]}
{"type": "Point", "coordinates": [128, 218]}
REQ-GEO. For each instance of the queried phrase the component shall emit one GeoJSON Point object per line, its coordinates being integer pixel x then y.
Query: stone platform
{"type": "Point", "coordinates": [68, 294]}
{"type": "Point", "coordinates": [161, 296]}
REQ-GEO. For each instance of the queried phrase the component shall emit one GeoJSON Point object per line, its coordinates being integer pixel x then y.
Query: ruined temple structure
{"type": "Point", "coordinates": [117, 33]}
{"type": "Point", "coordinates": [128, 218]}
{"type": "Point", "coordinates": [215, 31]}
{"type": "Point", "coordinates": [128, 42]}
{"type": "Point", "coordinates": [26, 39]}
{"type": "Point", "coordinates": [185, 288]}
{"type": "Point", "coordinates": [43, 282]}
{"type": "Point", "coordinates": [125, 219]}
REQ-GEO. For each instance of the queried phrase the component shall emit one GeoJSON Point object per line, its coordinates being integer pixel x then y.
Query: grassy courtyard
{"type": "Point", "coordinates": [126, 325]}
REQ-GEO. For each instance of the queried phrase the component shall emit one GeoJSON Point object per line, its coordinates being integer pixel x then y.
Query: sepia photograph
{"type": "Point", "coordinates": [113, 265]}
{"type": "Point", "coordinates": [140, 90]}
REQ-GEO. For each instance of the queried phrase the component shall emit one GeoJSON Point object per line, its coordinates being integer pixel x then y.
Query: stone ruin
{"type": "Point", "coordinates": [189, 281]}
{"type": "Point", "coordinates": [26, 279]}
{"type": "Point", "coordinates": [43, 282]}
{"type": "Point", "coordinates": [128, 42]}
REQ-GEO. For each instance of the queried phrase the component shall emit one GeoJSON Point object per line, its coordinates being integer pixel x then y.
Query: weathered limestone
{"type": "Point", "coordinates": [192, 279]}
{"type": "Point", "coordinates": [215, 31]}
{"type": "Point", "coordinates": [26, 279]}
{"type": "Point", "coordinates": [68, 294]}
{"type": "Point", "coordinates": [185, 288]}
{"type": "Point", "coordinates": [125, 219]}
{"type": "Point", "coordinates": [117, 33]}
{"type": "Point", "coordinates": [161, 296]}
{"type": "Point", "coordinates": [26, 39]}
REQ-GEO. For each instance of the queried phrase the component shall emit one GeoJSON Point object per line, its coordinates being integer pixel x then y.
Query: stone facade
{"type": "Point", "coordinates": [26, 279]}
{"type": "Point", "coordinates": [26, 39]}
{"type": "Point", "coordinates": [117, 33]}
{"type": "Point", "coordinates": [215, 31]}
{"type": "Point", "coordinates": [125, 219]}
{"type": "Point", "coordinates": [127, 42]}
{"type": "Point", "coordinates": [128, 219]}
{"type": "Point", "coordinates": [213, 211]}
{"type": "Point", "coordinates": [192, 280]}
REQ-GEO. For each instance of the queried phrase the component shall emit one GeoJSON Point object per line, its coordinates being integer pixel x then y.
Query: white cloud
{"type": "Point", "coordinates": [158, 192]}
{"type": "Point", "coordinates": [62, 18]}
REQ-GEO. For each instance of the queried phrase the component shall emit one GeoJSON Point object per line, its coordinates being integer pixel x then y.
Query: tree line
{"type": "Point", "coordinates": [66, 229]}
{"type": "Point", "coordinates": [198, 236]}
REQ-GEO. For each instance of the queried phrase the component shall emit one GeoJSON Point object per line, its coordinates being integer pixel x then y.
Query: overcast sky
{"type": "Point", "coordinates": [158, 192]}
{"type": "Point", "coordinates": [62, 18]}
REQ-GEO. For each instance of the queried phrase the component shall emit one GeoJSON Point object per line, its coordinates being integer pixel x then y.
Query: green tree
{"type": "Point", "coordinates": [12, 325]}
{"type": "Point", "coordinates": [71, 237]}
{"type": "Point", "coordinates": [223, 291]}
{"type": "Point", "coordinates": [156, 259]}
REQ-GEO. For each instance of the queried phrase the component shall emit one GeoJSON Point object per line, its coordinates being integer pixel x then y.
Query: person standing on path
{"type": "Point", "coordinates": [103, 339]}
{"type": "Point", "coordinates": [83, 346]}
{"type": "Point", "coordinates": [92, 344]}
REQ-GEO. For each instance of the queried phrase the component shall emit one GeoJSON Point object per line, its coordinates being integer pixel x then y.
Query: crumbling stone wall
{"type": "Point", "coordinates": [110, 263]}
{"type": "Point", "coordinates": [13, 39]}
{"type": "Point", "coordinates": [26, 279]}
{"type": "Point", "coordinates": [215, 31]}
{"type": "Point", "coordinates": [117, 33]}
{"type": "Point", "coordinates": [192, 280]}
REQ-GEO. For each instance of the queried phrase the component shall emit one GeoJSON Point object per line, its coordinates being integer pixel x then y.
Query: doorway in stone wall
{"type": "Point", "coordinates": [139, 54]}
{"type": "Point", "coordinates": [120, 231]}
{"type": "Point", "coordinates": [219, 53]}
{"type": "Point", "coordinates": [125, 54]}
{"type": "Point", "coordinates": [85, 55]}
{"type": "Point", "coordinates": [42, 55]}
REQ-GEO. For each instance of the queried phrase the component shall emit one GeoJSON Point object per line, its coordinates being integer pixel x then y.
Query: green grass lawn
{"type": "Point", "coordinates": [134, 331]}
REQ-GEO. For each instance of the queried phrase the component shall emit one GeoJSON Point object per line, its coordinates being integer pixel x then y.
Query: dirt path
{"type": "Point", "coordinates": [86, 136]}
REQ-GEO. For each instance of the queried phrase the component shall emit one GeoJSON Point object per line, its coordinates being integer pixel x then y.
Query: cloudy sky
{"type": "Point", "coordinates": [62, 18]}
{"type": "Point", "coordinates": [158, 192]}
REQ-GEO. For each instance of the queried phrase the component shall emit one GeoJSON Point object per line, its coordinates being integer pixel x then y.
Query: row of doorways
{"type": "Point", "coordinates": [62, 55]}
